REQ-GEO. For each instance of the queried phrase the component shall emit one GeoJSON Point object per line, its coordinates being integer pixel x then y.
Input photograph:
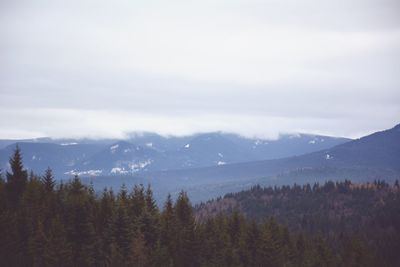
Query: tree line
{"type": "Point", "coordinates": [44, 223]}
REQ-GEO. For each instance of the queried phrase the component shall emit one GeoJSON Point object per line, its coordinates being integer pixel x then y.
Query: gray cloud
{"type": "Point", "coordinates": [101, 69]}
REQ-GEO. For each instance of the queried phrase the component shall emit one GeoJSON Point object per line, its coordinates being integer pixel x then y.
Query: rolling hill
{"type": "Point", "coordinates": [149, 152]}
{"type": "Point", "coordinates": [376, 156]}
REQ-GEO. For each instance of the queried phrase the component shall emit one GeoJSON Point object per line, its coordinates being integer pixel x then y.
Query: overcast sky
{"type": "Point", "coordinates": [254, 67]}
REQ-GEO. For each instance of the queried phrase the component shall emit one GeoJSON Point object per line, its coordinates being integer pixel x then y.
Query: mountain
{"type": "Point", "coordinates": [39, 156]}
{"type": "Point", "coordinates": [378, 151]}
{"type": "Point", "coordinates": [119, 158]}
{"type": "Point", "coordinates": [212, 164]}
{"type": "Point", "coordinates": [376, 156]}
{"type": "Point", "coordinates": [150, 152]}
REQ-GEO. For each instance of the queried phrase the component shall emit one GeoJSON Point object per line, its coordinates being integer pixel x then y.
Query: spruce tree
{"type": "Point", "coordinates": [186, 243]}
{"type": "Point", "coordinates": [17, 179]}
{"type": "Point", "coordinates": [138, 201]}
{"type": "Point", "coordinates": [168, 231]}
{"type": "Point", "coordinates": [60, 250]}
{"type": "Point", "coordinates": [38, 247]}
{"type": "Point", "coordinates": [123, 232]}
{"type": "Point", "coordinates": [151, 205]}
{"type": "Point", "coordinates": [48, 180]}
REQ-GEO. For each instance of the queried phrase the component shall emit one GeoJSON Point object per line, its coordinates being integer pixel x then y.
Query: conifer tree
{"type": "Point", "coordinates": [123, 195]}
{"type": "Point", "coordinates": [11, 246]}
{"type": "Point", "coordinates": [138, 253]}
{"type": "Point", "coordinates": [253, 244]}
{"type": "Point", "coordinates": [3, 194]}
{"type": "Point", "coordinates": [186, 246]}
{"type": "Point", "coordinates": [168, 231]}
{"type": "Point", "coordinates": [38, 247]}
{"type": "Point", "coordinates": [235, 227]}
{"type": "Point", "coordinates": [60, 253]}
{"type": "Point", "coordinates": [17, 179]}
{"type": "Point", "coordinates": [123, 232]}
{"type": "Point", "coordinates": [138, 201]}
{"type": "Point", "coordinates": [151, 205]}
{"type": "Point", "coordinates": [80, 224]}
{"type": "Point", "coordinates": [48, 180]}
{"type": "Point", "coordinates": [83, 236]}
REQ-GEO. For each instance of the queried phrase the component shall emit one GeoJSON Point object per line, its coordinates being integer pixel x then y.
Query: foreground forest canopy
{"type": "Point", "coordinates": [334, 210]}
{"type": "Point", "coordinates": [47, 224]}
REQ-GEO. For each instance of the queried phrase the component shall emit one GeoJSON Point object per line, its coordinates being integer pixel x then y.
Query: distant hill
{"type": "Point", "coordinates": [375, 153]}
{"type": "Point", "coordinates": [376, 156]}
{"type": "Point", "coordinates": [233, 163]}
{"type": "Point", "coordinates": [149, 152]}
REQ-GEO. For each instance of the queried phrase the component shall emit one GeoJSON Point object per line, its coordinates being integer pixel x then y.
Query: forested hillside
{"type": "Point", "coordinates": [334, 210]}
{"type": "Point", "coordinates": [44, 224]}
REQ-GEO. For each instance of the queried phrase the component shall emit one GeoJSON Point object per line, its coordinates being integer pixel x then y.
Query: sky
{"type": "Point", "coordinates": [103, 69]}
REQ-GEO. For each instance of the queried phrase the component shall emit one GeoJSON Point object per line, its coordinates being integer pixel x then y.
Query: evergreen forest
{"type": "Point", "coordinates": [44, 223]}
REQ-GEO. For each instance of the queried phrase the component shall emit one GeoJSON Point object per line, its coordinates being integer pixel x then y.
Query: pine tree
{"type": "Point", "coordinates": [80, 223]}
{"type": "Point", "coordinates": [167, 232]}
{"type": "Point", "coordinates": [253, 242]}
{"type": "Point", "coordinates": [186, 243]}
{"type": "Point", "coordinates": [76, 188]}
{"type": "Point", "coordinates": [138, 253]}
{"type": "Point", "coordinates": [149, 221]}
{"type": "Point", "coordinates": [48, 180]}
{"type": "Point", "coordinates": [235, 227]}
{"type": "Point", "coordinates": [3, 195]}
{"type": "Point", "coordinates": [123, 232]}
{"type": "Point", "coordinates": [105, 226]}
{"type": "Point", "coordinates": [278, 239]}
{"type": "Point", "coordinates": [38, 247]}
{"type": "Point", "coordinates": [151, 205]}
{"type": "Point", "coordinates": [138, 201]}
{"type": "Point", "coordinates": [60, 253]}
{"type": "Point", "coordinates": [84, 238]}
{"type": "Point", "coordinates": [11, 246]}
{"type": "Point", "coordinates": [17, 179]}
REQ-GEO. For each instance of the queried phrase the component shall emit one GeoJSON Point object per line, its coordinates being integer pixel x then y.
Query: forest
{"type": "Point", "coordinates": [369, 212]}
{"type": "Point", "coordinates": [44, 223]}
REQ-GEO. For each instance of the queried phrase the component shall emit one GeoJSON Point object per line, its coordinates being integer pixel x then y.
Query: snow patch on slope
{"type": "Point", "coordinates": [89, 172]}
{"type": "Point", "coordinates": [117, 170]}
{"type": "Point", "coordinates": [114, 148]}
{"type": "Point", "coordinates": [69, 144]}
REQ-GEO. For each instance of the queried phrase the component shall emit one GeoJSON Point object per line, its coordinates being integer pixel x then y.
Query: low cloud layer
{"type": "Point", "coordinates": [257, 68]}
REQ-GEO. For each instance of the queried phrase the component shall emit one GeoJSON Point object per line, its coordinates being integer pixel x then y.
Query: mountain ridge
{"type": "Point", "coordinates": [152, 152]}
{"type": "Point", "coordinates": [376, 156]}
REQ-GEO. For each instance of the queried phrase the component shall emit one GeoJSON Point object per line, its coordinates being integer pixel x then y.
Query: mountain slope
{"type": "Point", "coordinates": [151, 152]}
{"type": "Point", "coordinates": [379, 151]}
{"type": "Point", "coordinates": [40, 156]}
{"type": "Point", "coordinates": [376, 156]}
